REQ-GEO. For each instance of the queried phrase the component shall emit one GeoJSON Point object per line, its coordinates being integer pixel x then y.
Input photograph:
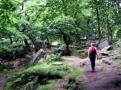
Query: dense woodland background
{"type": "Point", "coordinates": [27, 26]}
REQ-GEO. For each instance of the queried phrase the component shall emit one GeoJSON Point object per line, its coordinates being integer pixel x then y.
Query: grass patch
{"type": "Point", "coordinates": [44, 72]}
{"type": "Point", "coordinates": [83, 53]}
{"type": "Point", "coordinates": [75, 75]}
{"type": "Point", "coordinates": [48, 87]}
{"type": "Point", "coordinates": [5, 72]}
{"type": "Point", "coordinates": [101, 65]}
{"type": "Point", "coordinates": [118, 63]}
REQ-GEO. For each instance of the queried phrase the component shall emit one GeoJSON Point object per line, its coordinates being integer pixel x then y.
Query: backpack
{"type": "Point", "coordinates": [92, 51]}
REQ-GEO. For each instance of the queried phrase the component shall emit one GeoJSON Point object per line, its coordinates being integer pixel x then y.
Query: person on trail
{"type": "Point", "coordinates": [92, 53]}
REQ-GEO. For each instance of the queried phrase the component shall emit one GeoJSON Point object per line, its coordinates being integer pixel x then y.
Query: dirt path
{"type": "Point", "coordinates": [2, 82]}
{"type": "Point", "coordinates": [106, 78]}
{"type": "Point", "coordinates": [99, 80]}
{"type": "Point", "coordinates": [4, 79]}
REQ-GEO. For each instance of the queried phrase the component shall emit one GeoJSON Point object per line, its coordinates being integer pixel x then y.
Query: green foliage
{"type": "Point", "coordinates": [52, 57]}
{"type": "Point", "coordinates": [118, 64]}
{"type": "Point", "coordinates": [41, 73]}
{"type": "Point", "coordinates": [75, 75]}
{"type": "Point", "coordinates": [82, 53]}
{"type": "Point", "coordinates": [5, 72]}
{"type": "Point", "coordinates": [47, 21]}
{"type": "Point", "coordinates": [32, 74]}
{"type": "Point", "coordinates": [49, 87]}
{"type": "Point", "coordinates": [115, 42]}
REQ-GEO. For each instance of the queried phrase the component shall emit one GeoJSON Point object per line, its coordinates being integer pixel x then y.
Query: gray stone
{"type": "Point", "coordinates": [83, 63]}
{"type": "Point", "coordinates": [118, 57]}
{"type": "Point", "coordinates": [103, 44]}
{"type": "Point", "coordinates": [40, 54]}
{"type": "Point", "coordinates": [107, 61]}
{"type": "Point", "coordinates": [107, 48]}
{"type": "Point", "coordinates": [104, 53]}
{"type": "Point", "coordinates": [119, 73]}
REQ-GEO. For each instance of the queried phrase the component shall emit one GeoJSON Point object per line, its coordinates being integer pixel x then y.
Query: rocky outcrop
{"type": "Point", "coordinates": [107, 48]}
{"type": "Point", "coordinates": [104, 53]}
{"type": "Point", "coordinates": [103, 44]}
{"type": "Point", "coordinates": [119, 73]}
{"type": "Point", "coordinates": [38, 56]}
{"type": "Point", "coordinates": [107, 61]}
{"type": "Point", "coordinates": [83, 63]}
{"type": "Point", "coordinates": [118, 57]}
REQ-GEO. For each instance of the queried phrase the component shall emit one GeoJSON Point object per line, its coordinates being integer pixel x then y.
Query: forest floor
{"type": "Point", "coordinates": [4, 78]}
{"type": "Point", "coordinates": [105, 77]}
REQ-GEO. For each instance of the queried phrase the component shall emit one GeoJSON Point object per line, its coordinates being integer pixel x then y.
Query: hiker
{"type": "Point", "coordinates": [92, 53]}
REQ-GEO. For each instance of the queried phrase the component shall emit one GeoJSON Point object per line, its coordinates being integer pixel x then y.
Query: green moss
{"type": "Point", "coordinates": [49, 87]}
{"type": "Point", "coordinates": [44, 71]}
{"type": "Point", "coordinates": [118, 63]}
{"type": "Point", "coordinates": [75, 75]}
{"type": "Point", "coordinates": [101, 66]}
{"type": "Point", "coordinates": [5, 72]}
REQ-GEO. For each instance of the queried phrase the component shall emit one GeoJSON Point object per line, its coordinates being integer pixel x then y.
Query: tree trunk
{"type": "Point", "coordinates": [27, 46]}
{"type": "Point", "coordinates": [48, 43]}
{"type": "Point", "coordinates": [98, 21]}
{"type": "Point", "coordinates": [22, 7]}
{"type": "Point", "coordinates": [11, 40]}
{"type": "Point", "coordinates": [111, 34]}
{"type": "Point", "coordinates": [87, 31]}
{"type": "Point", "coordinates": [33, 42]}
{"type": "Point", "coordinates": [108, 34]}
{"type": "Point", "coordinates": [67, 41]}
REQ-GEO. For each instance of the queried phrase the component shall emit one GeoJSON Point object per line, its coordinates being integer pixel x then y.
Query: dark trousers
{"type": "Point", "coordinates": [92, 60]}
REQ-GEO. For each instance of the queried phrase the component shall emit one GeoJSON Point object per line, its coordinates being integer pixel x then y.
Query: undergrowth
{"type": "Point", "coordinates": [41, 74]}
{"type": "Point", "coordinates": [118, 63]}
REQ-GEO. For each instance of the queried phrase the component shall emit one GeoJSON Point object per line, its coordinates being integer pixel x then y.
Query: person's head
{"type": "Point", "coordinates": [92, 44]}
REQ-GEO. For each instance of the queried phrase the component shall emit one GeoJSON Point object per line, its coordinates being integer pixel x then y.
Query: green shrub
{"type": "Point", "coordinates": [118, 63]}
{"type": "Point", "coordinates": [115, 42]}
{"type": "Point", "coordinates": [38, 73]}
{"type": "Point", "coordinates": [49, 87]}
{"type": "Point", "coordinates": [52, 57]}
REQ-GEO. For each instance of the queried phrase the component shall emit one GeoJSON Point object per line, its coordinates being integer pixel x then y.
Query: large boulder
{"type": "Point", "coordinates": [103, 44]}
{"type": "Point", "coordinates": [118, 57]}
{"type": "Point", "coordinates": [40, 54]}
{"type": "Point", "coordinates": [84, 62]}
{"type": "Point", "coordinates": [107, 61]}
{"type": "Point", "coordinates": [104, 53]}
{"type": "Point", "coordinates": [119, 72]}
{"type": "Point", "coordinates": [107, 48]}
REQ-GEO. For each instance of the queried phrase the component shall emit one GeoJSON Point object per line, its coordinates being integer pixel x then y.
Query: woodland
{"type": "Point", "coordinates": [44, 44]}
